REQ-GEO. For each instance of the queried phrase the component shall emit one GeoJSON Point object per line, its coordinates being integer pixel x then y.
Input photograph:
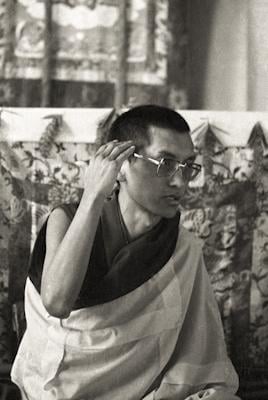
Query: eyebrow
{"type": "Point", "coordinates": [167, 154]}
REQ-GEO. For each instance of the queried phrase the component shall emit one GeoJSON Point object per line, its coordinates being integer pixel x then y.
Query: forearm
{"type": "Point", "coordinates": [69, 245]}
{"type": "Point", "coordinates": [64, 274]}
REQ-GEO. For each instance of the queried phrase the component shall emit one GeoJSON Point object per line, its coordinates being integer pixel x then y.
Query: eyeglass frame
{"type": "Point", "coordinates": [193, 165]}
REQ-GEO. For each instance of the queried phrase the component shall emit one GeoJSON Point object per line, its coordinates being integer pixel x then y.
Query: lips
{"type": "Point", "coordinates": [172, 199]}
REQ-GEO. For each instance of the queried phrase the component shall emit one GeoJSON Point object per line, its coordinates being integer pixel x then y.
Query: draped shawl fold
{"type": "Point", "coordinates": [116, 266]}
{"type": "Point", "coordinates": [161, 340]}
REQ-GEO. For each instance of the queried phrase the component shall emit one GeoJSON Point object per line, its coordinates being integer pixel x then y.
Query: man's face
{"type": "Point", "coordinates": [159, 196]}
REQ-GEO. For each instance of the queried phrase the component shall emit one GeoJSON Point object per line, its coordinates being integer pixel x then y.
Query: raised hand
{"type": "Point", "coordinates": [104, 167]}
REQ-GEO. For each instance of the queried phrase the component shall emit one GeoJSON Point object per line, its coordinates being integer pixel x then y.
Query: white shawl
{"type": "Point", "coordinates": [163, 340]}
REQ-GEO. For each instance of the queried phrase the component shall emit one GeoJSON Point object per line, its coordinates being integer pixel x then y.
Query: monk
{"type": "Point", "coordinates": [118, 300]}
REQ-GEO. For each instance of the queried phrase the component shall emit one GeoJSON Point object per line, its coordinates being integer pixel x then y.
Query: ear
{"type": "Point", "coordinates": [121, 177]}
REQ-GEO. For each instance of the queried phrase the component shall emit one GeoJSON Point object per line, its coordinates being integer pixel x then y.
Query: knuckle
{"type": "Point", "coordinates": [98, 157]}
{"type": "Point", "coordinates": [102, 147]}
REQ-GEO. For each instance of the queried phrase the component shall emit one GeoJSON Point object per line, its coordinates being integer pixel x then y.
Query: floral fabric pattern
{"type": "Point", "coordinates": [229, 211]}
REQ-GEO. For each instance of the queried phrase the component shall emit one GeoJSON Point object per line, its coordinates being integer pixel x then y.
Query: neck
{"type": "Point", "coordinates": [136, 219]}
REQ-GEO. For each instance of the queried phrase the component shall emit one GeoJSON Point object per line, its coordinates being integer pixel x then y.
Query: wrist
{"type": "Point", "coordinates": [92, 199]}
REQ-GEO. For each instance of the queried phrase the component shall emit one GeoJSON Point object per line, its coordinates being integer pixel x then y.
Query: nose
{"type": "Point", "coordinates": [177, 179]}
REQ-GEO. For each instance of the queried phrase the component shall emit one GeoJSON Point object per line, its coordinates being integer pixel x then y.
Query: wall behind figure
{"type": "Point", "coordinates": [228, 54]}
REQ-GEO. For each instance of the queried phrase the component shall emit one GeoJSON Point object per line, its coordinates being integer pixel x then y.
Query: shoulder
{"type": "Point", "coordinates": [190, 240]}
{"type": "Point", "coordinates": [68, 210]}
{"type": "Point", "coordinates": [63, 211]}
{"type": "Point", "coordinates": [60, 218]}
{"type": "Point", "coordinates": [188, 254]}
{"type": "Point", "coordinates": [188, 260]}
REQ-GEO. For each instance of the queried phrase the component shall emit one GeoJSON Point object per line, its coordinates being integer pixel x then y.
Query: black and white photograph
{"type": "Point", "coordinates": [133, 199]}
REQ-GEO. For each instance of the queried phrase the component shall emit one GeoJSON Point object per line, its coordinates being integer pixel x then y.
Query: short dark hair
{"type": "Point", "coordinates": [135, 124]}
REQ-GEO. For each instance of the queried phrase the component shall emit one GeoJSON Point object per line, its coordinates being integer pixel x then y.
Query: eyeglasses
{"type": "Point", "coordinates": [167, 167]}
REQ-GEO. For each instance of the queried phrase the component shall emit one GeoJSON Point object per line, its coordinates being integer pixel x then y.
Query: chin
{"type": "Point", "coordinates": [171, 215]}
{"type": "Point", "coordinates": [169, 212]}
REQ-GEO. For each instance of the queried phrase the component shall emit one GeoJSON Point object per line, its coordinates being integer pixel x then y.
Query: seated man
{"type": "Point", "coordinates": [118, 301]}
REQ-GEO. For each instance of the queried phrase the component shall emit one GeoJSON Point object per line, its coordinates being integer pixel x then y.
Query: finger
{"type": "Point", "coordinates": [124, 155]}
{"type": "Point", "coordinates": [106, 148]}
{"type": "Point", "coordinates": [82, 163]}
{"type": "Point", "coordinates": [117, 150]}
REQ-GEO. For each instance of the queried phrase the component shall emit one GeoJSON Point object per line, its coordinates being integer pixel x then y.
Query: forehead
{"type": "Point", "coordinates": [167, 142]}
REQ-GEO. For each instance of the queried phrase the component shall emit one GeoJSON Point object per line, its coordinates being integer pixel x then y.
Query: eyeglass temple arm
{"type": "Point", "coordinates": [198, 167]}
{"type": "Point", "coordinates": [146, 158]}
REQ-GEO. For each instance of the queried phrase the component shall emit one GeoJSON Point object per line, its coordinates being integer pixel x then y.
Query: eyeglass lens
{"type": "Point", "coordinates": [168, 166]}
